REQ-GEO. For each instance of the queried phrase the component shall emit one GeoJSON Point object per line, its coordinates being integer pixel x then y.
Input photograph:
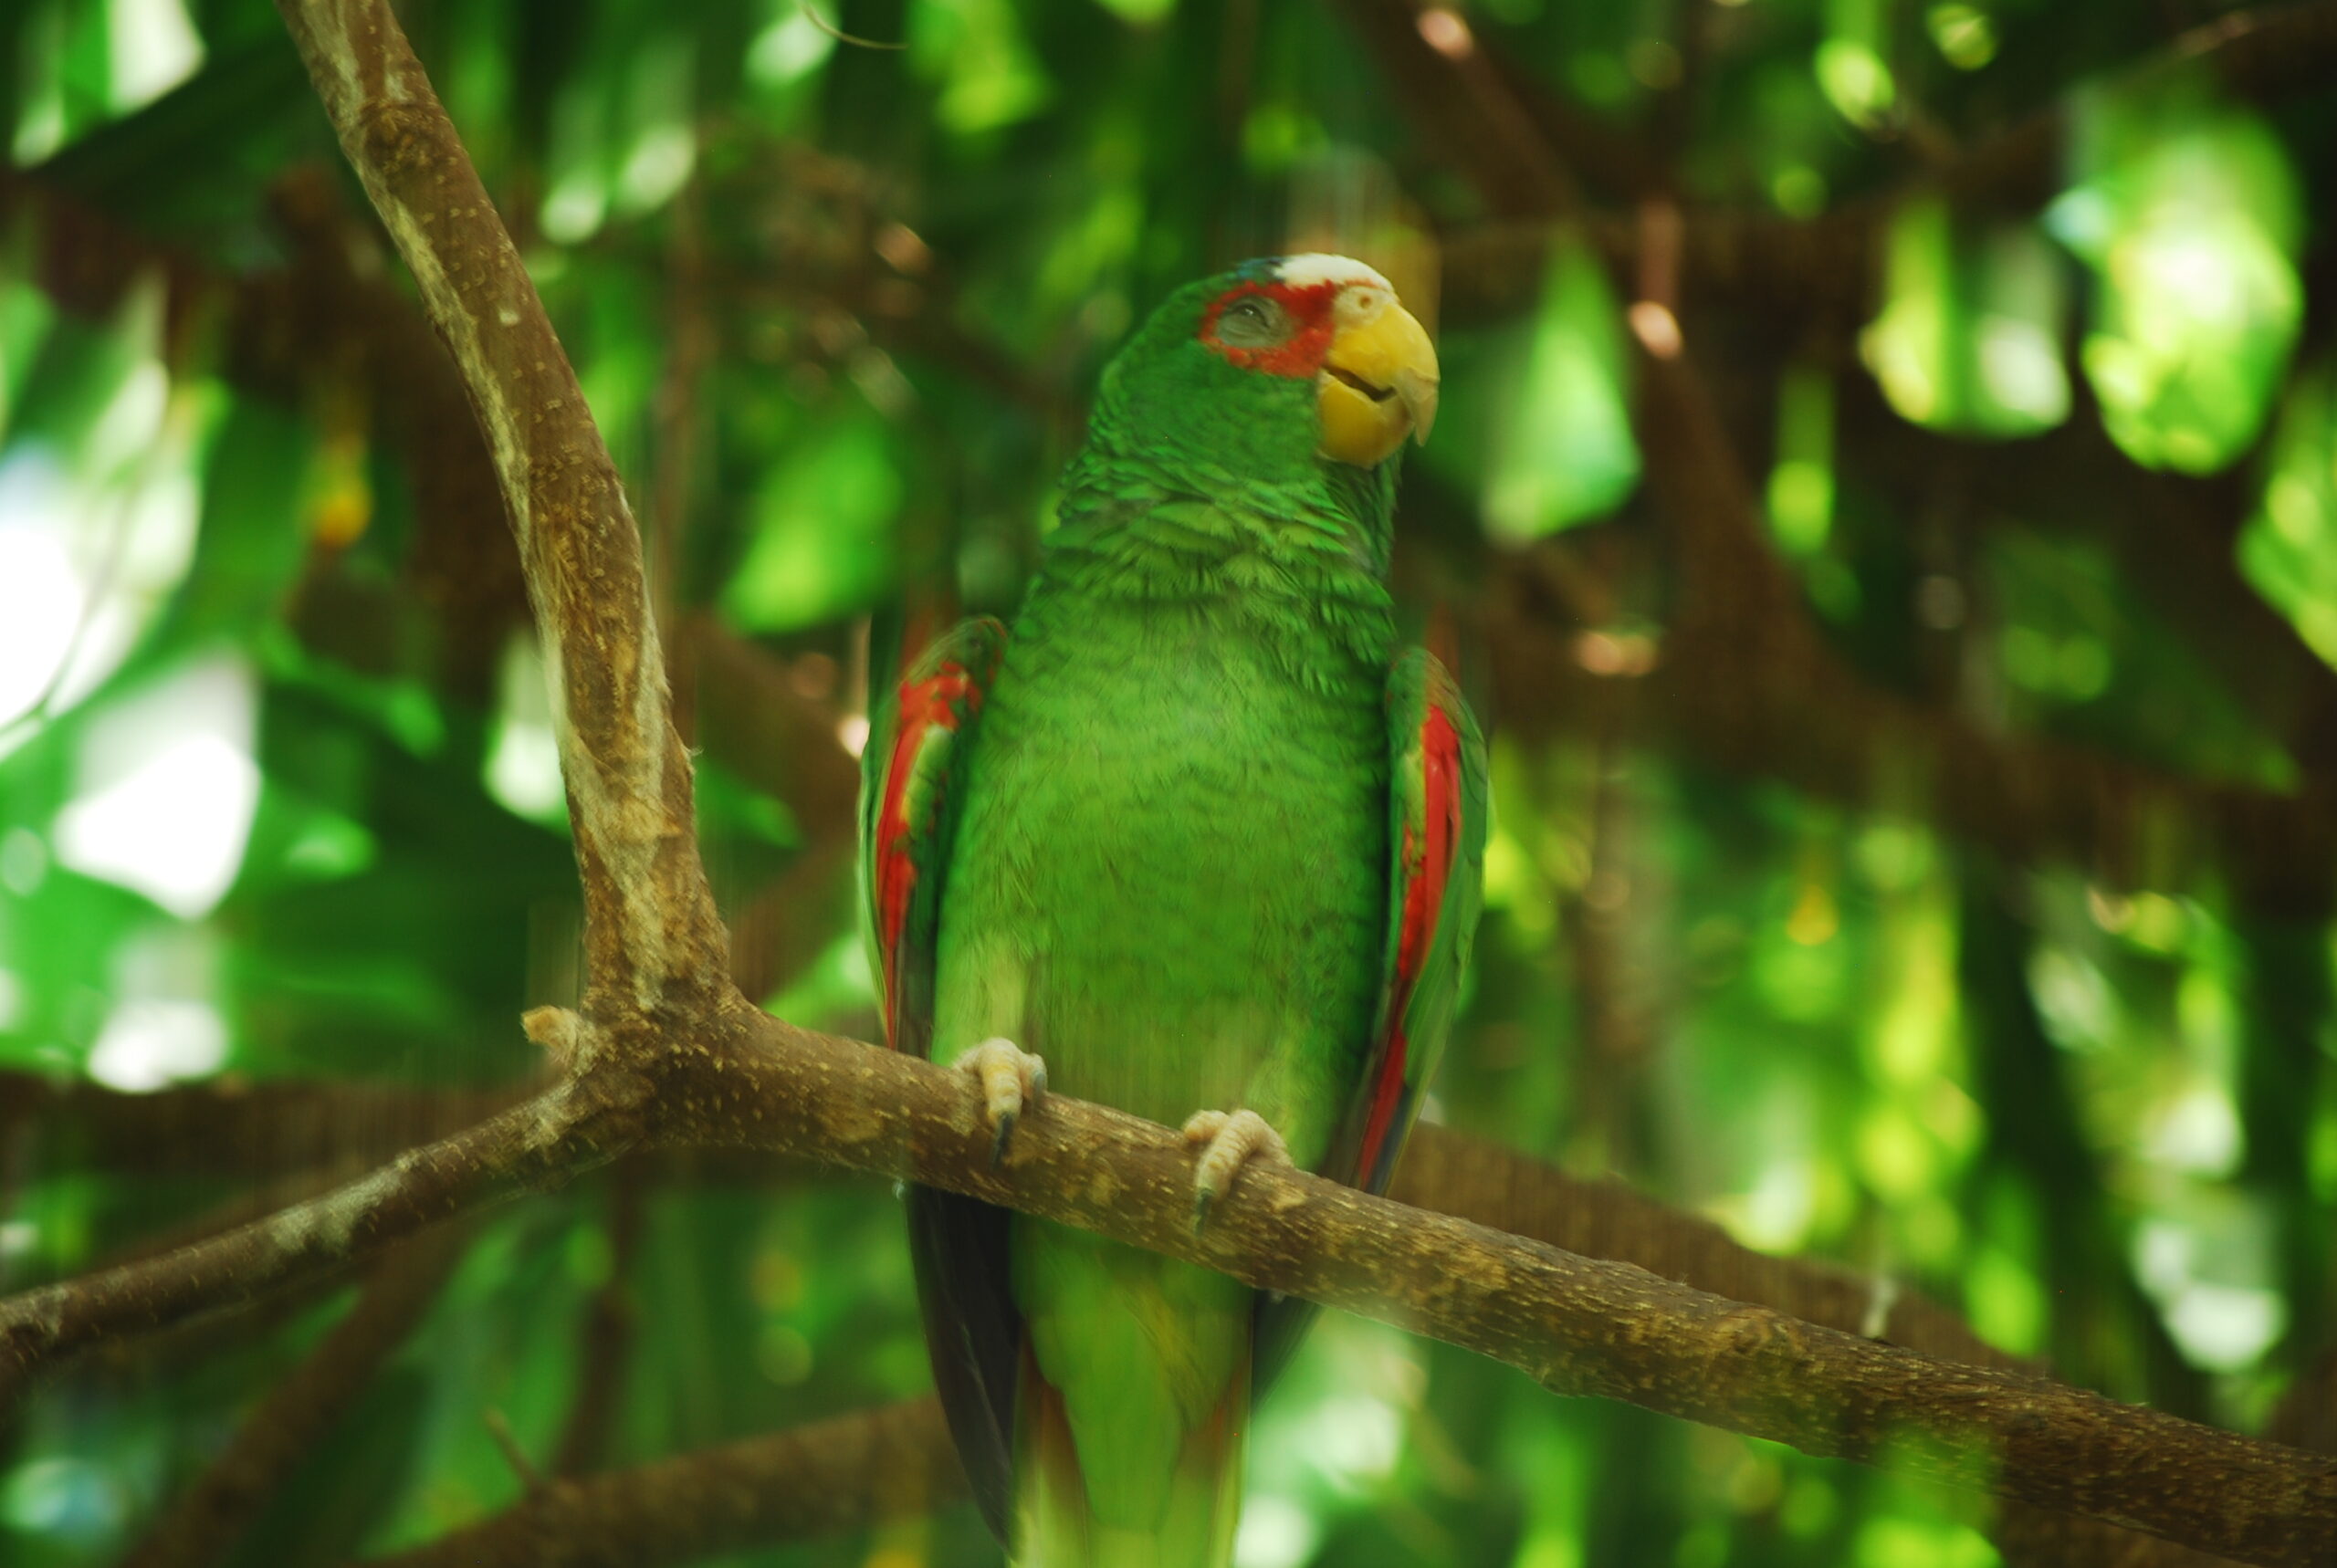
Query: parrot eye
{"type": "Point", "coordinates": [1254, 321]}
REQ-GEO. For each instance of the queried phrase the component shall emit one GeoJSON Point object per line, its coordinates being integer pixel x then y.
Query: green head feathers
{"type": "Point", "coordinates": [1283, 386]}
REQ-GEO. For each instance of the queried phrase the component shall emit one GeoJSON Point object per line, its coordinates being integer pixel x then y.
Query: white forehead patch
{"type": "Point", "coordinates": [1304, 271]}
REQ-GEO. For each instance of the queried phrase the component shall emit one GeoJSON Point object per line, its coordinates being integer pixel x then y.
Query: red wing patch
{"type": "Point", "coordinates": [1426, 862]}
{"type": "Point", "coordinates": [936, 704]}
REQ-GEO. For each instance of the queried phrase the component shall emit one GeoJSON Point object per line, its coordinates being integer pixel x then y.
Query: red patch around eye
{"type": "Point", "coordinates": [1301, 353]}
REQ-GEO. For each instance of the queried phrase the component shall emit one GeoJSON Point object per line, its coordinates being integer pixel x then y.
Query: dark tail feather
{"type": "Point", "coordinates": [973, 1334]}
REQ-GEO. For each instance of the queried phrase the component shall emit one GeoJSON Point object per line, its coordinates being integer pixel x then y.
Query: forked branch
{"type": "Point", "coordinates": [665, 1051]}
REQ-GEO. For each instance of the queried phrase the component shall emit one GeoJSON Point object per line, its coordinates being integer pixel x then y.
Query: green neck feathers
{"type": "Point", "coordinates": [1200, 483]}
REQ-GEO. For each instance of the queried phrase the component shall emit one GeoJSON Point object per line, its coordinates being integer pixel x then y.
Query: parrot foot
{"type": "Point", "coordinates": [1234, 1138]}
{"type": "Point", "coordinates": [1012, 1081]}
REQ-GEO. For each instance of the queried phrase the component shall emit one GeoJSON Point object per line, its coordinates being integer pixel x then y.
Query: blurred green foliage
{"type": "Point", "coordinates": [1970, 336]}
{"type": "Point", "coordinates": [2190, 214]}
{"type": "Point", "coordinates": [279, 797]}
{"type": "Point", "coordinates": [1550, 399]}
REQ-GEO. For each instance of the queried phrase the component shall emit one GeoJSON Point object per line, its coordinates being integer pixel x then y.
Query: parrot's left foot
{"type": "Point", "coordinates": [1014, 1081]}
{"type": "Point", "coordinates": [1234, 1138]}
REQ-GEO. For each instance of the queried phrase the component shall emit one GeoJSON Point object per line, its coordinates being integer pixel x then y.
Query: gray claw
{"type": "Point", "coordinates": [1233, 1138]}
{"type": "Point", "coordinates": [1012, 1082]}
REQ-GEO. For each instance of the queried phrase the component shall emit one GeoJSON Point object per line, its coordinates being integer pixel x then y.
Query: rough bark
{"type": "Point", "coordinates": [1504, 1190]}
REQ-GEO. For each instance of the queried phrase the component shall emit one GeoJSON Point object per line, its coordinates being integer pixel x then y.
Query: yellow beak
{"type": "Point", "coordinates": [1379, 380]}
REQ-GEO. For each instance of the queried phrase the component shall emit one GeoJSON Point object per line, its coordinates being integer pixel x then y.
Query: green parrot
{"type": "Point", "coordinates": [1197, 836]}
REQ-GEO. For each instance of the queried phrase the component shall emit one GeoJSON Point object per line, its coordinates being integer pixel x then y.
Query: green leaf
{"type": "Point", "coordinates": [2289, 548]}
{"type": "Point", "coordinates": [1801, 485]}
{"type": "Point", "coordinates": [1559, 450]}
{"type": "Point", "coordinates": [1851, 64]}
{"type": "Point", "coordinates": [2191, 214]}
{"type": "Point", "coordinates": [823, 525]}
{"type": "Point", "coordinates": [1969, 337]}
{"type": "Point", "coordinates": [988, 76]}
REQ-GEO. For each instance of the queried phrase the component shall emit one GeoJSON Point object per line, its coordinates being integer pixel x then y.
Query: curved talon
{"type": "Point", "coordinates": [1012, 1081]}
{"type": "Point", "coordinates": [1234, 1138]}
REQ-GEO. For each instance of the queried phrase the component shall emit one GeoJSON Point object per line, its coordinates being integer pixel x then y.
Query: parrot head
{"type": "Point", "coordinates": [1279, 363]}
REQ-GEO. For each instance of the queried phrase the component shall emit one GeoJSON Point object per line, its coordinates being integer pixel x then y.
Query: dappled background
{"type": "Point", "coordinates": [1884, 508]}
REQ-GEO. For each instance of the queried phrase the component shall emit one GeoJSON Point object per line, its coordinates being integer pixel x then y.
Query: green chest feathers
{"type": "Point", "coordinates": [1170, 877]}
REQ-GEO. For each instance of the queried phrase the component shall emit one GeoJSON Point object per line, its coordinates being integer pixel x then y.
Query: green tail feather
{"type": "Point", "coordinates": [1063, 1521]}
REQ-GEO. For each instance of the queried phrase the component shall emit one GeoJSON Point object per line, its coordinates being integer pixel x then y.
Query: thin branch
{"type": "Point", "coordinates": [896, 1462]}
{"type": "Point", "coordinates": [226, 1127]}
{"type": "Point", "coordinates": [563, 1130]}
{"type": "Point", "coordinates": [213, 1514]}
{"type": "Point", "coordinates": [605, 1345]}
{"type": "Point", "coordinates": [507, 1443]}
{"type": "Point", "coordinates": [838, 33]}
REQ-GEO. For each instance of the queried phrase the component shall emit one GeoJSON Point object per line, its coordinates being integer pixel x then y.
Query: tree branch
{"type": "Point", "coordinates": [895, 1462]}
{"type": "Point", "coordinates": [1577, 1326]}
{"type": "Point", "coordinates": [666, 1050]}
{"type": "Point", "coordinates": [564, 1129]}
{"type": "Point", "coordinates": [1443, 1169]}
{"type": "Point", "coordinates": [604, 1341]}
{"type": "Point", "coordinates": [1820, 270]}
{"type": "Point", "coordinates": [1504, 1190]}
{"type": "Point", "coordinates": [653, 941]}
{"type": "Point", "coordinates": [211, 1515]}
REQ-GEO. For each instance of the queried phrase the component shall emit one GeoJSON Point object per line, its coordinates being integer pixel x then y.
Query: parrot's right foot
{"type": "Point", "coordinates": [1012, 1081]}
{"type": "Point", "coordinates": [1234, 1138]}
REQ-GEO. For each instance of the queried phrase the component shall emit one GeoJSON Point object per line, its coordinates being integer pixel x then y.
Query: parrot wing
{"type": "Point", "coordinates": [913, 769]}
{"type": "Point", "coordinates": [1437, 814]}
{"type": "Point", "coordinates": [919, 741]}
